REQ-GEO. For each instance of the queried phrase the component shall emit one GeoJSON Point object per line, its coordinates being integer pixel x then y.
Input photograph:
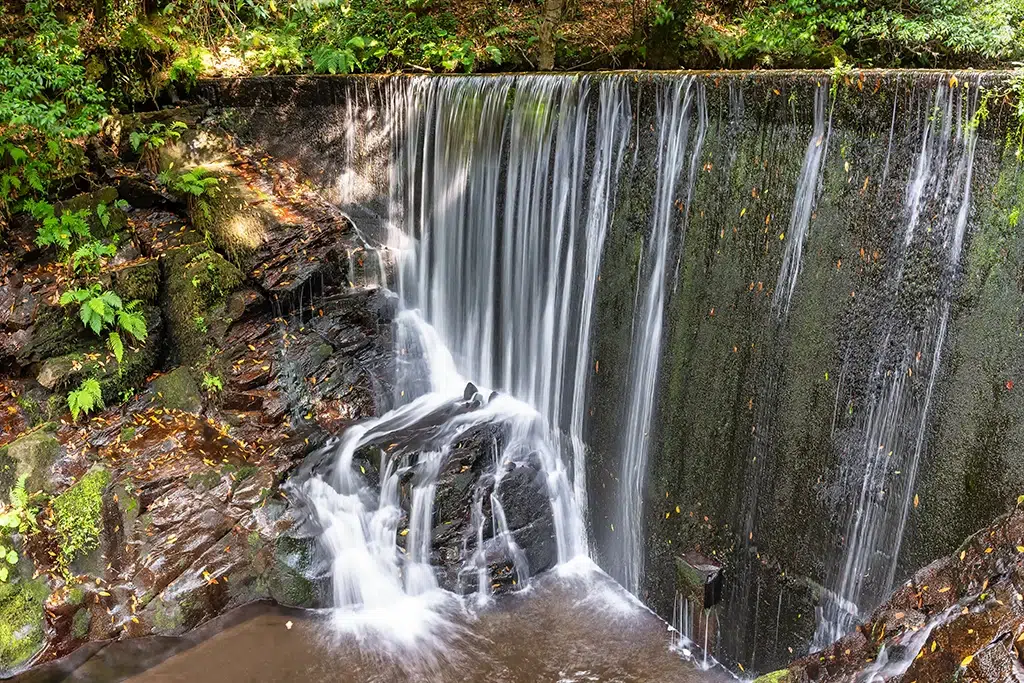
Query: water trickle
{"type": "Point", "coordinates": [677, 105]}
{"type": "Point", "coordinates": [804, 199]}
{"type": "Point", "coordinates": [891, 427]}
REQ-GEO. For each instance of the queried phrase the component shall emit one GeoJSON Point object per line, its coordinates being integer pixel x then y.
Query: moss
{"type": "Point", "coordinates": [126, 435]}
{"type": "Point", "coordinates": [198, 281]}
{"type": "Point", "coordinates": [167, 617]}
{"type": "Point", "coordinates": [76, 596]}
{"type": "Point", "coordinates": [137, 280]}
{"type": "Point", "coordinates": [178, 390]}
{"type": "Point", "coordinates": [774, 677]}
{"type": "Point", "coordinates": [21, 621]}
{"type": "Point", "coordinates": [78, 513]}
{"type": "Point", "coordinates": [80, 624]}
{"type": "Point", "coordinates": [208, 479]}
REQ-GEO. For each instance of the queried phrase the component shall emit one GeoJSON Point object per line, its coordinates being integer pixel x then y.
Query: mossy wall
{"type": "Point", "coordinates": [755, 451]}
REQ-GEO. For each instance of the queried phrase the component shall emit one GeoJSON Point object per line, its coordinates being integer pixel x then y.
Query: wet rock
{"type": "Point", "coordinates": [178, 390]}
{"type": "Point", "coordinates": [16, 306]}
{"type": "Point", "coordinates": [22, 621]}
{"type": "Point", "coordinates": [31, 455]}
{"type": "Point", "coordinates": [939, 625]}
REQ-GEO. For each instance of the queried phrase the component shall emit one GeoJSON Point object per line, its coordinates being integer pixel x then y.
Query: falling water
{"type": "Point", "coordinates": [803, 205]}
{"type": "Point", "coordinates": [893, 425]}
{"type": "Point", "coordinates": [495, 191]}
{"type": "Point", "coordinates": [677, 105]}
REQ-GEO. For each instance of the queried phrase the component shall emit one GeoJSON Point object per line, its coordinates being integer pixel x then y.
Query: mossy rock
{"type": "Point", "coordinates": [67, 371]}
{"type": "Point", "coordinates": [22, 622]}
{"type": "Point", "coordinates": [56, 331]}
{"type": "Point", "coordinates": [287, 579]}
{"type": "Point", "coordinates": [33, 455]}
{"type": "Point", "coordinates": [774, 677]}
{"type": "Point", "coordinates": [233, 217]}
{"type": "Point", "coordinates": [178, 390]}
{"type": "Point", "coordinates": [117, 219]}
{"type": "Point", "coordinates": [78, 514]}
{"type": "Point", "coordinates": [139, 279]}
{"type": "Point", "coordinates": [197, 282]}
{"type": "Point", "coordinates": [80, 624]}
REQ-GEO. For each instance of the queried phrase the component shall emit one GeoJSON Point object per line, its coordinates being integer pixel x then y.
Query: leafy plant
{"type": "Point", "coordinates": [58, 231]}
{"type": "Point", "coordinates": [89, 256]}
{"type": "Point", "coordinates": [200, 323]}
{"type": "Point", "coordinates": [197, 185]}
{"type": "Point", "coordinates": [212, 383]}
{"type": "Point", "coordinates": [86, 398]}
{"type": "Point", "coordinates": [150, 140]}
{"type": "Point", "coordinates": [17, 517]}
{"type": "Point", "coordinates": [48, 104]}
{"type": "Point", "coordinates": [101, 310]}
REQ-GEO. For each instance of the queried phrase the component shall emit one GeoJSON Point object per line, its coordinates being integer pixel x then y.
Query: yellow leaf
{"type": "Point", "coordinates": [403, 532]}
{"type": "Point", "coordinates": [917, 501]}
{"type": "Point", "coordinates": [966, 661]}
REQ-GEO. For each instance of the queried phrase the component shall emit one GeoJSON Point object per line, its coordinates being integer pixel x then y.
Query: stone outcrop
{"type": "Point", "coordinates": [163, 508]}
{"type": "Point", "coordinates": [959, 618]}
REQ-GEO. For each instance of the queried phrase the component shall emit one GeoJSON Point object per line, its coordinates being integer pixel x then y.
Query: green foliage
{"type": "Point", "coordinates": [59, 231]}
{"type": "Point", "coordinates": [157, 135]}
{"type": "Point", "coordinates": [47, 104]}
{"type": "Point", "coordinates": [102, 310]}
{"type": "Point", "coordinates": [197, 185]}
{"type": "Point", "coordinates": [186, 68]}
{"type": "Point", "coordinates": [78, 515]}
{"type": "Point", "coordinates": [90, 256]}
{"type": "Point", "coordinates": [17, 517]}
{"type": "Point", "coordinates": [212, 383]}
{"type": "Point", "coordinates": [880, 32]}
{"type": "Point", "coordinates": [86, 398]}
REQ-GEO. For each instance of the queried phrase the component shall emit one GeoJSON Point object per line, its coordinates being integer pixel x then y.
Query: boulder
{"type": "Point", "coordinates": [31, 455]}
{"type": "Point", "coordinates": [178, 390]}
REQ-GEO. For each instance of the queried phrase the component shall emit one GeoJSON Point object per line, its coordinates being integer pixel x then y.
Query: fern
{"type": "Point", "coordinates": [100, 310]}
{"type": "Point", "coordinates": [212, 383]}
{"type": "Point", "coordinates": [89, 257]}
{"type": "Point", "coordinates": [58, 231]}
{"type": "Point", "coordinates": [86, 398]}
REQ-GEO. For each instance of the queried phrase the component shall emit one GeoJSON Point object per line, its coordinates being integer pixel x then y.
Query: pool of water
{"type": "Point", "coordinates": [566, 628]}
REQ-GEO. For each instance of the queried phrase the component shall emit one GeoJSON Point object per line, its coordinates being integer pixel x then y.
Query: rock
{"type": "Point", "coordinates": [116, 219]}
{"type": "Point", "coordinates": [57, 373]}
{"type": "Point", "coordinates": [774, 677]}
{"type": "Point", "coordinates": [178, 390]}
{"type": "Point", "coordinates": [22, 622]}
{"type": "Point", "coordinates": [197, 282]}
{"type": "Point", "coordinates": [16, 306]}
{"type": "Point", "coordinates": [78, 515]}
{"type": "Point", "coordinates": [32, 455]}
{"type": "Point", "coordinates": [137, 279]}
{"type": "Point", "coordinates": [469, 391]}
{"type": "Point", "coordinates": [968, 604]}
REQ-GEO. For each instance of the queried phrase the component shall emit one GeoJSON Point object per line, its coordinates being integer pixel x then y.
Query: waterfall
{"type": "Point", "coordinates": [892, 426]}
{"type": "Point", "coordinates": [803, 204]}
{"type": "Point", "coordinates": [677, 105]}
{"type": "Point", "coordinates": [493, 177]}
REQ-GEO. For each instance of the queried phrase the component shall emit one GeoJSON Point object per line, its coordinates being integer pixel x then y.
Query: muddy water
{"type": "Point", "coordinates": [574, 629]}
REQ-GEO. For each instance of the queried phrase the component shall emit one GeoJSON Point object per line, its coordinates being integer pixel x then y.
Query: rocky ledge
{"type": "Point", "coordinates": [961, 618]}
{"type": "Point", "coordinates": [160, 505]}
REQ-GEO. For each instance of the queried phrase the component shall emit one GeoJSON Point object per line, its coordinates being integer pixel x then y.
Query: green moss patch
{"type": "Point", "coordinates": [79, 517]}
{"type": "Point", "coordinates": [21, 621]}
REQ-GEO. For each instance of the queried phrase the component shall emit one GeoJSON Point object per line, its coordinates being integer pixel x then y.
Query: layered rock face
{"type": "Point", "coordinates": [163, 510]}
